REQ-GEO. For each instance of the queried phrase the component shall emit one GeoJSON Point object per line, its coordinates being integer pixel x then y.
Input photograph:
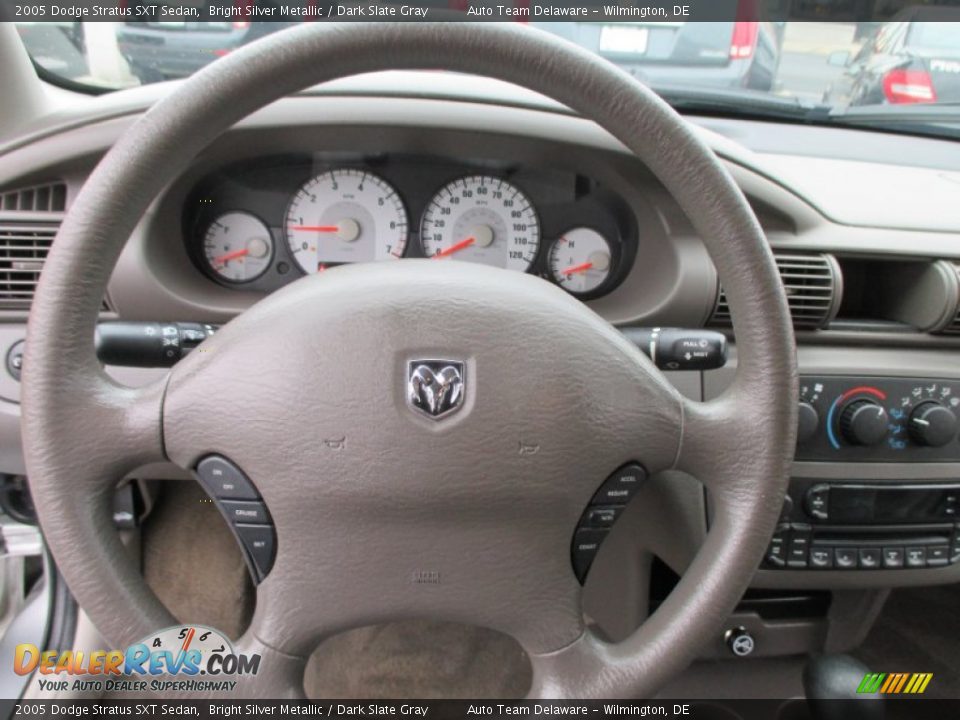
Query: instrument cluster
{"type": "Point", "coordinates": [263, 224]}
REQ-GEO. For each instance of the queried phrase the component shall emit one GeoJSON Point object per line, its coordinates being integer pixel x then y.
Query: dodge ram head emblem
{"type": "Point", "coordinates": [436, 387]}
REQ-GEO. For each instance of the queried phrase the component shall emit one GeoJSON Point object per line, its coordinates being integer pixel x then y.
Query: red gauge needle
{"type": "Point", "coordinates": [315, 228]}
{"type": "Point", "coordinates": [188, 640]}
{"type": "Point", "coordinates": [224, 259]}
{"type": "Point", "coordinates": [573, 269]}
{"type": "Point", "coordinates": [456, 247]}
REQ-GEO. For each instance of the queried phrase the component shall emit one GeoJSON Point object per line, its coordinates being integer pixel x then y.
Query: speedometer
{"type": "Point", "coordinates": [345, 216]}
{"type": "Point", "coordinates": [481, 219]}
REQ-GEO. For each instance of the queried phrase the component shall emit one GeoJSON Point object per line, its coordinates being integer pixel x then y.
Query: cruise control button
{"type": "Point", "coordinates": [586, 542]}
{"type": "Point", "coordinates": [869, 558]}
{"type": "Point", "coordinates": [893, 557]}
{"type": "Point", "coordinates": [259, 543]}
{"type": "Point", "coordinates": [244, 511]}
{"type": "Point", "coordinates": [621, 486]}
{"type": "Point", "coordinates": [938, 555]}
{"type": "Point", "coordinates": [916, 557]}
{"type": "Point", "coordinates": [603, 516]}
{"type": "Point", "coordinates": [821, 557]}
{"type": "Point", "coordinates": [845, 558]}
{"type": "Point", "coordinates": [224, 480]}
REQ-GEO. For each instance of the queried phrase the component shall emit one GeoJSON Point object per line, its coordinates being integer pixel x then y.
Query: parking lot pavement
{"type": "Point", "coordinates": [804, 71]}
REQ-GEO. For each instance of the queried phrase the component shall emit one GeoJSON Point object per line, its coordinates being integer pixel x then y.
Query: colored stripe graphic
{"type": "Point", "coordinates": [871, 682]}
{"type": "Point", "coordinates": [895, 683]}
{"type": "Point", "coordinates": [903, 680]}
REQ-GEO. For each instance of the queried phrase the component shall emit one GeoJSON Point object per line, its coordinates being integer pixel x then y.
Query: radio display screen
{"type": "Point", "coordinates": [855, 504]}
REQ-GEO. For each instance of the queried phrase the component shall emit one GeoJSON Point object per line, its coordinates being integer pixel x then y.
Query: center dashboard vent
{"type": "Point", "coordinates": [813, 285]}
{"type": "Point", "coordinates": [953, 327]}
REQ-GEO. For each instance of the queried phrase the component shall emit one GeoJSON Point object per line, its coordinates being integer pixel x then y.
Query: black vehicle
{"type": "Point", "coordinates": [910, 59]}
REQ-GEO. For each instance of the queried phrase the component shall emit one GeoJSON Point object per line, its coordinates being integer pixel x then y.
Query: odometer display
{"type": "Point", "coordinates": [481, 219]}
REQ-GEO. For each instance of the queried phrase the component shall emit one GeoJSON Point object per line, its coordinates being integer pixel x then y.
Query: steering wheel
{"type": "Point", "coordinates": [360, 523]}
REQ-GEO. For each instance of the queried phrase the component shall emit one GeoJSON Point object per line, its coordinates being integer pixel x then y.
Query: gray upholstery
{"type": "Point", "coordinates": [453, 496]}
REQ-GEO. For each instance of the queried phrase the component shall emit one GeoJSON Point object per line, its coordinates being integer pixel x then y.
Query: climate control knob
{"type": "Point", "coordinates": [808, 420]}
{"type": "Point", "coordinates": [932, 424]}
{"type": "Point", "coordinates": [864, 422]}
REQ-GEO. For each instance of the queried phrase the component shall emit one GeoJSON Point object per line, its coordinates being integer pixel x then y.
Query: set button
{"type": "Point", "coordinates": [605, 507]}
{"type": "Point", "coordinates": [241, 504]}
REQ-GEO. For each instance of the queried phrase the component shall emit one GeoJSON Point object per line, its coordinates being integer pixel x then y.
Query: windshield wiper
{"type": "Point", "coordinates": [740, 103]}
{"type": "Point", "coordinates": [934, 119]}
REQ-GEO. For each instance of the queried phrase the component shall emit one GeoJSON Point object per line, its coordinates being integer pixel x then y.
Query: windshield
{"type": "Point", "coordinates": [864, 68]}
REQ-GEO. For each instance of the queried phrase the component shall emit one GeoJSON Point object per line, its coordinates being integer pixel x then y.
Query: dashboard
{"type": "Point", "coordinates": [392, 169]}
{"type": "Point", "coordinates": [264, 223]}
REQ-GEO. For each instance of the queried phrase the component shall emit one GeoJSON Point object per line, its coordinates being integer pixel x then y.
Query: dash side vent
{"type": "Point", "coordinates": [23, 249]}
{"type": "Point", "coordinates": [46, 197]}
{"type": "Point", "coordinates": [812, 282]}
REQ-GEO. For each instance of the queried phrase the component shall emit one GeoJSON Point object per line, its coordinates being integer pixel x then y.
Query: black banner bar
{"type": "Point", "coordinates": [894, 708]}
{"type": "Point", "coordinates": [611, 11]}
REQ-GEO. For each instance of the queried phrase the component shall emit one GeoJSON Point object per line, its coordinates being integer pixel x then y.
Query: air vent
{"type": "Point", "coordinates": [23, 250]}
{"type": "Point", "coordinates": [47, 197]}
{"type": "Point", "coordinates": [953, 328]}
{"type": "Point", "coordinates": [812, 283]}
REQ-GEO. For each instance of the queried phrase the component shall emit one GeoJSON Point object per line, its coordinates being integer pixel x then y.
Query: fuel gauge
{"type": "Point", "coordinates": [580, 260]}
{"type": "Point", "coordinates": [238, 247]}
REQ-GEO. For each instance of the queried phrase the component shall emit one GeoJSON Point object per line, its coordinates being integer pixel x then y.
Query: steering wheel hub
{"type": "Point", "coordinates": [308, 392]}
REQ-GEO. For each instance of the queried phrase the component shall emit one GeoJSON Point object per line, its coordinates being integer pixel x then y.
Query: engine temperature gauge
{"type": "Point", "coordinates": [238, 247]}
{"type": "Point", "coordinates": [580, 260]}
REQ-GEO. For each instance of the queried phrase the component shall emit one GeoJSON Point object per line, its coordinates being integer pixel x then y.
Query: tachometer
{"type": "Point", "coordinates": [580, 260]}
{"type": "Point", "coordinates": [481, 219]}
{"type": "Point", "coordinates": [345, 216]}
{"type": "Point", "coordinates": [237, 247]}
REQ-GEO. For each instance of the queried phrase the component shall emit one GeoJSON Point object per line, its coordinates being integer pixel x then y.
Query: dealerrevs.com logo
{"type": "Point", "coordinates": [182, 658]}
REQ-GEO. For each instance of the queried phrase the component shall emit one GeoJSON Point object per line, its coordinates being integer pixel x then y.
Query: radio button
{"type": "Point", "coordinates": [869, 558]}
{"type": "Point", "coordinates": [777, 552]}
{"type": "Point", "coordinates": [821, 557]}
{"type": "Point", "coordinates": [845, 558]}
{"type": "Point", "coordinates": [893, 557]}
{"type": "Point", "coordinates": [816, 501]}
{"type": "Point", "coordinates": [916, 557]}
{"type": "Point", "coordinates": [938, 555]}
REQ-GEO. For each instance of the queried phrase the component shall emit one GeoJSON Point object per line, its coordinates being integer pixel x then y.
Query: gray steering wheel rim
{"type": "Point", "coordinates": [70, 404]}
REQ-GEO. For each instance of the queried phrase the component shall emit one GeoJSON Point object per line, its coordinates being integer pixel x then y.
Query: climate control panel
{"type": "Point", "coordinates": [878, 419]}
